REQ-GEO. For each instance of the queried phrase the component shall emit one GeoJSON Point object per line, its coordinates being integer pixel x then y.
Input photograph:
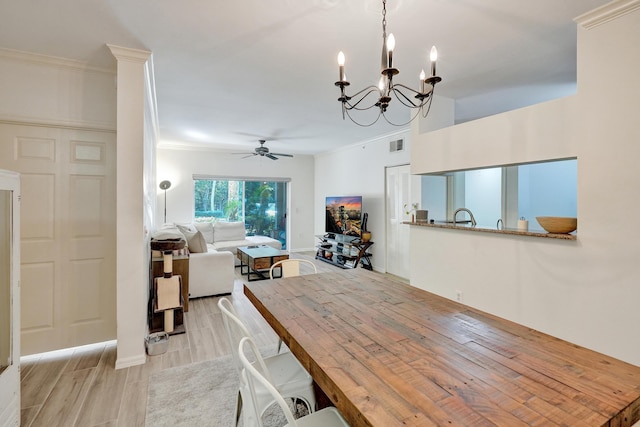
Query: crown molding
{"type": "Point", "coordinates": [165, 144]}
{"type": "Point", "coordinates": [606, 13]}
{"type": "Point", "coordinates": [60, 124]}
{"type": "Point", "coordinates": [129, 54]}
{"type": "Point", "coordinates": [52, 61]}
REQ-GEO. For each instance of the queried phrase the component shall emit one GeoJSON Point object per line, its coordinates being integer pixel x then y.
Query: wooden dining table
{"type": "Point", "coordinates": [389, 354]}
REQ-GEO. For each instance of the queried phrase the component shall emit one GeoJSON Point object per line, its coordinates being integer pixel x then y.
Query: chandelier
{"type": "Point", "coordinates": [419, 101]}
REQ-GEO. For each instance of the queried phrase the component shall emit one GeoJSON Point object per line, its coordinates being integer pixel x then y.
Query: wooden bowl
{"type": "Point", "coordinates": [558, 224]}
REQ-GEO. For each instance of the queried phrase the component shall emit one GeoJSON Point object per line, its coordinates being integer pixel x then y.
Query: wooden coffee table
{"type": "Point", "coordinates": [255, 261]}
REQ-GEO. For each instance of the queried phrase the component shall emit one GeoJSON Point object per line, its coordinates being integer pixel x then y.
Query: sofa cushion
{"type": "Point", "coordinates": [206, 228]}
{"type": "Point", "coordinates": [228, 231]}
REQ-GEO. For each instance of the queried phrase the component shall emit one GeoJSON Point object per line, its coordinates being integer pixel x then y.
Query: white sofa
{"type": "Point", "coordinates": [211, 272]}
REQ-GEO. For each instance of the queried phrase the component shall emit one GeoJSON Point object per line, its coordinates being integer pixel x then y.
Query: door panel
{"type": "Point", "coordinates": [68, 233]}
{"type": "Point", "coordinates": [9, 299]}
{"type": "Point", "coordinates": [401, 189]}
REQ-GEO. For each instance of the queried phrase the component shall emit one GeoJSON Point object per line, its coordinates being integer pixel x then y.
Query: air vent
{"type": "Point", "coordinates": [397, 145]}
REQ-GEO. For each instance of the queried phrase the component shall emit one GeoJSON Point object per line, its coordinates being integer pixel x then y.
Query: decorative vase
{"type": "Point", "coordinates": [366, 236]}
{"type": "Point", "coordinates": [413, 218]}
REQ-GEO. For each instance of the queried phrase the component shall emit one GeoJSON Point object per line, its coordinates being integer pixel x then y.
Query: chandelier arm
{"type": "Point", "coordinates": [397, 93]}
{"type": "Point", "coordinates": [360, 124]}
{"type": "Point", "coordinates": [354, 106]}
{"type": "Point", "coordinates": [402, 124]}
{"type": "Point", "coordinates": [424, 97]}
{"type": "Point", "coordinates": [415, 92]}
{"type": "Point", "coordinates": [428, 103]}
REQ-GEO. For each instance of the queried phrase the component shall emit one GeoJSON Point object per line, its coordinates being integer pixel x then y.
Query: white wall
{"type": "Point", "coordinates": [359, 170]}
{"type": "Point", "coordinates": [179, 166]}
{"type": "Point", "coordinates": [39, 89]}
{"type": "Point", "coordinates": [434, 197]}
{"type": "Point", "coordinates": [483, 196]}
{"type": "Point", "coordinates": [585, 291]}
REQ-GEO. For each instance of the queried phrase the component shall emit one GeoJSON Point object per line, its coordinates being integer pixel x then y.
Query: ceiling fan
{"type": "Point", "coordinates": [264, 152]}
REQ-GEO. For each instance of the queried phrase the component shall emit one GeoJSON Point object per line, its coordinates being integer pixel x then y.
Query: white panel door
{"type": "Point", "coordinates": [401, 189]}
{"type": "Point", "coordinates": [9, 299]}
{"type": "Point", "coordinates": [67, 234]}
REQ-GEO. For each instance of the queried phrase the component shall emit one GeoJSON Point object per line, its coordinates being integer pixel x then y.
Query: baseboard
{"type": "Point", "coordinates": [131, 361]}
{"type": "Point", "coordinates": [293, 251]}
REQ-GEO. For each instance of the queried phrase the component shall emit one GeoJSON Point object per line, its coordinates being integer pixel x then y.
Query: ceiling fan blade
{"type": "Point", "coordinates": [249, 155]}
{"type": "Point", "coordinates": [283, 155]}
{"type": "Point", "coordinates": [271, 156]}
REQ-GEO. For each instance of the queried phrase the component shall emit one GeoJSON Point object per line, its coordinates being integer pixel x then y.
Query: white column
{"type": "Point", "coordinates": [132, 272]}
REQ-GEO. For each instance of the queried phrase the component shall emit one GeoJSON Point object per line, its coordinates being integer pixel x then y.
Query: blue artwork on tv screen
{"type": "Point", "coordinates": [343, 215]}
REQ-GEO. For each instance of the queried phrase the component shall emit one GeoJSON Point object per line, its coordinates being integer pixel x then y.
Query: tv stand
{"type": "Point", "coordinates": [343, 251]}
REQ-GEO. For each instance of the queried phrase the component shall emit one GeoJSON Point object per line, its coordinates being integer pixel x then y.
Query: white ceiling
{"type": "Point", "coordinates": [230, 73]}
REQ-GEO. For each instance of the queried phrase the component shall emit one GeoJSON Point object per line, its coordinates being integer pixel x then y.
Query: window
{"type": "Point", "coordinates": [260, 204]}
{"type": "Point", "coordinates": [504, 192]}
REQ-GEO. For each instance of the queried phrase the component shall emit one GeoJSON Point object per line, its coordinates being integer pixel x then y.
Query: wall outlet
{"type": "Point", "coordinates": [458, 295]}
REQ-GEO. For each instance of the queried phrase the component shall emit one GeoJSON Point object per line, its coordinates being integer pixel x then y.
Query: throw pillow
{"type": "Point", "coordinates": [187, 227]}
{"type": "Point", "coordinates": [228, 231]}
{"type": "Point", "coordinates": [206, 228]}
{"type": "Point", "coordinates": [196, 243]}
{"type": "Point", "coordinates": [195, 240]}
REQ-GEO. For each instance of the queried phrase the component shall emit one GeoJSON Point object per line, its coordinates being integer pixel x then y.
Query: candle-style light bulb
{"type": "Point", "coordinates": [341, 65]}
{"type": "Point", "coordinates": [422, 77]}
{"type": "Point", "coordinates": [391, 44]}
{"type": "Point", "coordinates": [381, 85]}
{"type": "Point", "coordinates": [433, 56]}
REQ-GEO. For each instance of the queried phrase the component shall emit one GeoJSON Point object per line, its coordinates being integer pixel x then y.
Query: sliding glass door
{"type": "Point", "coordinates": [260, 204]}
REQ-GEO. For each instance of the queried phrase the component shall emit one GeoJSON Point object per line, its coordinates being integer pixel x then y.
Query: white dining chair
{"type": "Point", "coordinates": [257, 376]}
{"type": "Point", "coordinates": [291, 267]}
{"type": "Point", "coordinates": [286, 373]}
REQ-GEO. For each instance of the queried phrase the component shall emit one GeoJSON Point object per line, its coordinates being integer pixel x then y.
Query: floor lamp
{"type": "Point", "coordinates": [164, 185]}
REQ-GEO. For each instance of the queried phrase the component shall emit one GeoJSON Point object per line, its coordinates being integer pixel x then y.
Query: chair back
{"type": "Point", "coordinates": [291, 267]}
{"type": "Point", "coordinates": [257, 373]}
{"type": "Point", "coordinates": [236, 330]}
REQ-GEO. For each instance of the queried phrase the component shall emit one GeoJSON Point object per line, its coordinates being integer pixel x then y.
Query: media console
{"type": "Point", "coordinates": [344, 251]}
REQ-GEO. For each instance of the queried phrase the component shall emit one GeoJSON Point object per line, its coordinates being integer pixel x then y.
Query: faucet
{"type": "Point", "coordinates": [473, 220]}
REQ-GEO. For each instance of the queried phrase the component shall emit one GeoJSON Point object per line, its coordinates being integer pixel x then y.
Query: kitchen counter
{"type": "Point", "coordinates": [480, 229]}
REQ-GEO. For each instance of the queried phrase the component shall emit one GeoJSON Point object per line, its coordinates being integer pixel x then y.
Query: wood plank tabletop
{"type": "Point", "coordinates": [388, 354]}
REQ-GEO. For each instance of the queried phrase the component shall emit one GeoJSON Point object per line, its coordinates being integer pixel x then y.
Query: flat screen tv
{"type": "Point", "coordinates": [343, 215]}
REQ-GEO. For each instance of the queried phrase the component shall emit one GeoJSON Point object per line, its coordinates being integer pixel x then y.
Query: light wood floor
{"type": "Point", "coordinates": [81, 387]}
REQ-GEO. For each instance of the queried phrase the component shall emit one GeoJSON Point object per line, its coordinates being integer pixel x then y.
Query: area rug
{"type": "Point", "coordinates": [201, 394]}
